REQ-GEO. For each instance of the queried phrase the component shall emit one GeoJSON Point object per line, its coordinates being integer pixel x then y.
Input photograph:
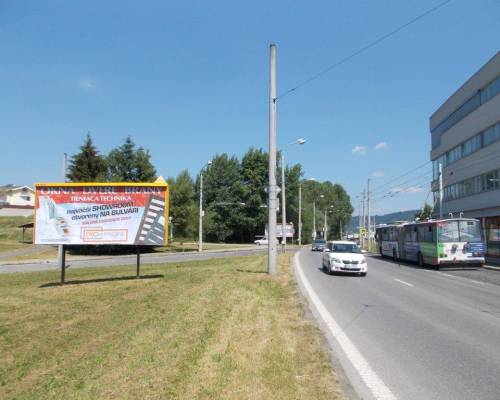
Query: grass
{"type": "Point", "coordinates": [216, 329]}
{"type": "Point", "coordinates": [11, 235]}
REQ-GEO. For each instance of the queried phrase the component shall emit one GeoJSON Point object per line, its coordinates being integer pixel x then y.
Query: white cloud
{"type": "Point", "coordinates": [87, 84]}
{"type": "Point", "coordinates": [359, 150]}
{"type": "Point", "coordinates": [381, 146]}
{"type": "Point", "coordinates": [378, 174]}
{"type": "Point", "coordinates": [414, 189]}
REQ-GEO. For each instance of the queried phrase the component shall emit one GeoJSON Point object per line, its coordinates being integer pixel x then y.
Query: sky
{"type": "Point", "coordinates": [188, 80]}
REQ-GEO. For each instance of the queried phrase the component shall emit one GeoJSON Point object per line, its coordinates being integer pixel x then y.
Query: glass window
{"type": "Point", "coordinates": [491, 180]}
{"type": "Point", "coordinates": [454, 155]}
{"type": "Point", "coordinates": [471, 145]}
{"type": "Point", "coordinates": [448, 232]}
{"type": "Point", "coordinates": [470, 231]}
{"type": "Point", "coordinates": [345, 248]}
{"type": "Point", "coordinates": [491, 135]}
{"type": "Point", "coordinates": [491, 90]}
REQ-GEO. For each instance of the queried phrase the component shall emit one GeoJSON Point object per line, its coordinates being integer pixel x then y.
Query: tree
{"type": "Point", "coordinates": [182, 205]}
{"type": "Point", "coordinates": [223, 192]}
{"type": "Point", "coordinates": [254, 166]}
{"type": "Point", "coordinates": [87, 165]}
{"type": "Point", "coordinates": [128, 164]}
{"type": "Point", "coordinates": [424, 213]}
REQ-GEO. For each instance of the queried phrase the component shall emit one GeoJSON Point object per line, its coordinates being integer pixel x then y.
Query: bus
{"type": "Point", "coordinates": [433, 242]}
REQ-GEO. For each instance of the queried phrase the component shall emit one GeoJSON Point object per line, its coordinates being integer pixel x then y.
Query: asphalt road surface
{"type": "Point", "coordinates": [425, 334]}
{"type": "Point", "coordinates": [147, 258]}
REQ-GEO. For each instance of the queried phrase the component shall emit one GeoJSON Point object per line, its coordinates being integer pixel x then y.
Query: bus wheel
{"type": "Point", "coordinates": [394, 255]}
{"type": "Point", "coordinates": [421, 260]}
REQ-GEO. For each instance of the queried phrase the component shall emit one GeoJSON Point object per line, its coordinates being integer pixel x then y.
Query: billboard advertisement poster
{"type": "Point", "coordinates": [101, 213]}
{"type": "Point", "coordinates": [289, 231]}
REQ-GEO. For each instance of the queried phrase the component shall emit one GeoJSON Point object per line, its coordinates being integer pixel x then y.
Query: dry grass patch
{"type": "Point", "coordinates": [216, 329]}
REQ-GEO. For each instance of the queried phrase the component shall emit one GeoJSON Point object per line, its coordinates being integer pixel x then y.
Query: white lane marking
{"type": "Point", "coordinates": [368, 375]}
{"type": "Point", "coordinates": [403, 282]}
{"type": "Point", "coordinates": [462, 279]}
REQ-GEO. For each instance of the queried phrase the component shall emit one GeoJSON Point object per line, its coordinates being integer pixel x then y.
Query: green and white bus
{"type": "Point", "coordinates": [433, 242]}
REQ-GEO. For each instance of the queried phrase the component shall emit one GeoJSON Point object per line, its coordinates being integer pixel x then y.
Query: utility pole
{"type": "Point", "coordinates": [363, 219]}
{"type": "Point", "coordinates": [324, 227]}
{"type": "Point", "coordinates": [440, 191]}
{"type": "Point", "coordinates": [271, 206]}
{"type": "Point", "coordinates": [314, 219]}
{"type": "Point", "coordinates": [283, 202]}
{"type": "Point", "coordinates": [369, 217]}
{"type": "Point", "coordinates": [200, 220]}
{"type": "Point", "coordinates": [300, 214]}
{"type": "Point", "coordinates": [60, 248]}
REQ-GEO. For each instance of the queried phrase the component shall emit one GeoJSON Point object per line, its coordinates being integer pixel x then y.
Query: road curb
{"type": "Point", "coordinates": [491, 268]}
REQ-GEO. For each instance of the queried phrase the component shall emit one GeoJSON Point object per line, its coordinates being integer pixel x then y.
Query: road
{"type": "Point", "coordinates": [148, 258]}
{"type": "Point", "coordinates": [425, 334]}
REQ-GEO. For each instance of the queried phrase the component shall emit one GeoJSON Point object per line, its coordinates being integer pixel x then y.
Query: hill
{"type": "Point", "coordinates": [385, 219]}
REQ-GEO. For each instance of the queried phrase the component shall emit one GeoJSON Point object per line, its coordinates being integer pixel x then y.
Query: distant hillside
{"type": "Point", "coordinates": [385, 219]}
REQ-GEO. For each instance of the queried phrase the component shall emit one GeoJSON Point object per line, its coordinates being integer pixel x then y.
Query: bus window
{"type": "Point", "coordinates": [470, 231]}
{"type": "Point", "coordinates": [429, 233]}
{"type": "Point", "coordinates": [448, 232]}
{"type": "Point", "coordinates": [421, 233]}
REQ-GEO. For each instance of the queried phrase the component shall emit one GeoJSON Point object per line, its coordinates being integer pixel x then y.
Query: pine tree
{"type": "Point", "coordinates": [128, 164]}
{"type": "Point", "coordinates": [87, 165]}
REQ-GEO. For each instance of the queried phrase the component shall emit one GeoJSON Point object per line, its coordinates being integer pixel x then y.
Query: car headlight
{"type": "Point", "coordinates": [335, 260]}
{"type": "Point", "coordinates": [363, 261]}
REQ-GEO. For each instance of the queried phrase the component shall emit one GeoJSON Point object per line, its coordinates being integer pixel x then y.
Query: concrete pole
{"type": "Point", "coordinates": [369, 216]}
{"type": "Point", "coordinates": [324, 227]}
{"type": "Point", "coordinates": [314, 219]}
{"type": "Point", "coordinates": [200, 220]}
{"type": "Point", "coordinates": [271, 206]}
{"type": "Point", "coordinates": [283, 201]}
{"type": "Point", "coordinates": [300, 214]}
{"type": "Point", "coordinates": [440, 191]}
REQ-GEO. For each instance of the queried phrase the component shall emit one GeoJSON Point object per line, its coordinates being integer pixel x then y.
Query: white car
{"type": "Point", "coordinates": [261, 241]}
{"type": "Point", "coordinates": [344, 257]}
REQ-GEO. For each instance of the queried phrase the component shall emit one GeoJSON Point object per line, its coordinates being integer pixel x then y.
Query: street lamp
{"type": "Point", "coordinates": [283, 195]}
{"type": "Point", "coordinates": [202, 213]}
{"type": "Point", "coordinates": [300, 209]}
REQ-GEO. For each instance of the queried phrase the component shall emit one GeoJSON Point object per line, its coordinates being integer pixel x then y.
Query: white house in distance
{"type": "Point", "coordinates": [16, 200]}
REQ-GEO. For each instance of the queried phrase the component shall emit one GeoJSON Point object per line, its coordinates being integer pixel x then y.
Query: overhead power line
{"type": "Point", "coordinates": [363, 49]}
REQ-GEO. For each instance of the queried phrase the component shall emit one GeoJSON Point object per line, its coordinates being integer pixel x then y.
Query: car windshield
{"type": "Point", "coordinates": [345, 248]}
{"type": "Point", "coordinates": [320, 241]}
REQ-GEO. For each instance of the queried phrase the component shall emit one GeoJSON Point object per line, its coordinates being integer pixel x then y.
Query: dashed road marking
{"type": "Point", "coordinates": [378, 388]}
{"type": "Point", "coordinates": [403, 282]}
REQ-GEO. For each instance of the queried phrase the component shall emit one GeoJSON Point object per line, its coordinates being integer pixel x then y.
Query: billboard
{"type": "Point", "coordinates": [101, 213]}
{"type": "Point", "coordinates": [289, 231]}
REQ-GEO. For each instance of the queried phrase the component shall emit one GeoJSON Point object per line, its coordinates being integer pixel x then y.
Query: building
{"type": "Point", "coordinates": [16, 200]}
{"type": "Point", "coordinates": [465, 136]}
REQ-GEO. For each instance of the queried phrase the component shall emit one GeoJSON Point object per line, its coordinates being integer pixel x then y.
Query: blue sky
{"type": "Point", "coordinates": [190, 79]}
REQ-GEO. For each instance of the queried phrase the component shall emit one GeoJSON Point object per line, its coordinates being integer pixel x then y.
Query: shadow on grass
{"type": "Point", "coordinates": [249, 271]}
{"type": "Point", "coordinates": [99, 280]}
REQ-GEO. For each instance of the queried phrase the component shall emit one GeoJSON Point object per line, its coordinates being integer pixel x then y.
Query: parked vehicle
{"type": "Point", "coordinates": [344, 257]}
{"type": "Point", "coordinates": [318, 245]}
{"type": "Point", "coordinates": [433, 242]}
{"type": "Point", "coordinates": [261, 240]}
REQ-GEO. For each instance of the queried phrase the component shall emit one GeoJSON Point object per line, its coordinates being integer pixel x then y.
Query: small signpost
{"type": "Point", "coordinates": [116, 213]}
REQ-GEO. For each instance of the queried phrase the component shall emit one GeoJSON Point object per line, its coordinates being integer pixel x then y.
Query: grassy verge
{"type": "Point", "coordinates": [217, 329]}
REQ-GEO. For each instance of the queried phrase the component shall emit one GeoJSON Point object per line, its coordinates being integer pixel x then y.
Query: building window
{"type": "Point", "coordinates": [26, 198]}
{"type": "Point", "coordinates": [491, 135]}
{"type": "Point", "coordinates": [472, 145]}
{"type": "Point", "coordinates": [491, 90]}
{"type": "Point", "coordinates": [481, 97]}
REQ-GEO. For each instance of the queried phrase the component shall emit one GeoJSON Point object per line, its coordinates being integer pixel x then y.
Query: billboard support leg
{"type": "Point", "coordinates": [63, 263]}
{"type": "Point", "coordinates": [137, 271]}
